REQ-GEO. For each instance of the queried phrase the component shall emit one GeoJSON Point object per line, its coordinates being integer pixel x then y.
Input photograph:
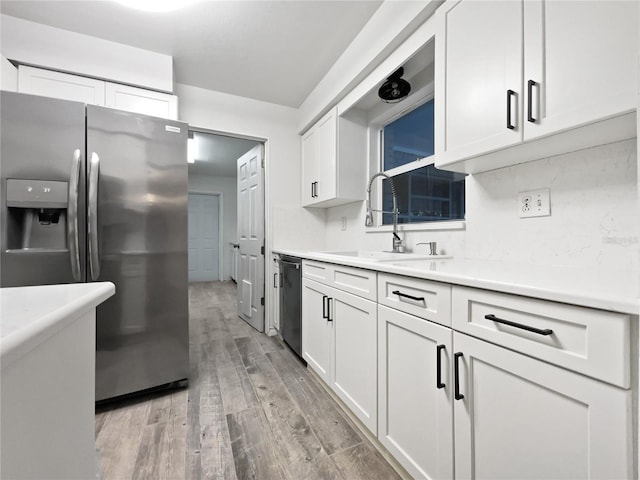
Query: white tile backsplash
{"type": "Point", "coordinates": [593, 218]}
{"type": "Point", "coordinates": [593, 222]}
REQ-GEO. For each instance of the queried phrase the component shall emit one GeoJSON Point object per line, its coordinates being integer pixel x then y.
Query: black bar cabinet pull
{"type": "Point", "coordinates": [456, 375]}
{"type": "Point", "coordinates": [406, 295]}
{"type": "Point", "coordinates": [493, 318]}
{"type": "Point", "coordinates": [530, 85]}
{"type": "Point", "coordinates": [329, 304]}
{"type": "Point", "coordinates": [510, 93]}
{"type": "Point", "coordinates": [324, 307]}
{"type": "Point", "coordinates": [439, 383]}
{"type": "Point", "coordinates": [313, 189]}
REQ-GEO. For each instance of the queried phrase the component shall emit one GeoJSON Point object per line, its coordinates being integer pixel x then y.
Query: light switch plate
{"type": "Point", "coordinates": [535, 203]}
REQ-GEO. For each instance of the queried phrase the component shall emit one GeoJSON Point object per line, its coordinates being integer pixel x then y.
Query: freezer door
{"type": "Point", "coordinates": [42, 150]}
{"type": "Point", "coordinates": [137, 221]}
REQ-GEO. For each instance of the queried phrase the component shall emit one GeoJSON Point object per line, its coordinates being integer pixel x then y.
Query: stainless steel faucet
{"type": "Point", "coordinates": [368, 221]}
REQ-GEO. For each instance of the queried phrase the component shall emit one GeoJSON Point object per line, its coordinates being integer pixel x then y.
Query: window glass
{"type": "Point", "coordinates": [409, 137]}
{"type": "Point", "coordinates": [425, 195]}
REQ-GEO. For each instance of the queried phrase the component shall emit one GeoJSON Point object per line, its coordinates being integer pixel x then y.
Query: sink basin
{"type": "Point", "coordinates": [382, 256]}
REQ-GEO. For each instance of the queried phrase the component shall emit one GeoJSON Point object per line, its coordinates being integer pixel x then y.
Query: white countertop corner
{"type": "Point", "coordinates": [30, 315]}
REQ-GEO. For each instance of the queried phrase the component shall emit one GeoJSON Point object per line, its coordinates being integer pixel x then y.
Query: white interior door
{"type": "Point", "coordinates": [204, 238]}
{"type": "Point", "coordinates": [251, 238]}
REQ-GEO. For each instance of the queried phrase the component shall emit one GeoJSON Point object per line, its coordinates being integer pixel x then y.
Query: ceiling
{"type": "Point", "coordinates": [274, 51]}
{"type": "Point", "coordinates": [216, 155]}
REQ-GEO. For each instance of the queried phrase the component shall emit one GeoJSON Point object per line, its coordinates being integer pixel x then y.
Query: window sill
{"type": "Point", "coordinates": [420, 227]}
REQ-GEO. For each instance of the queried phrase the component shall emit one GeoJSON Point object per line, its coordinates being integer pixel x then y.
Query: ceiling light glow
{"type": "Point", "coordinates": [156, 5]}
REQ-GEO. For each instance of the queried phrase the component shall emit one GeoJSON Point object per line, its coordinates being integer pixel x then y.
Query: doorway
{"type": "Point", "coordinates": [213, 171]}
{"type": "Point", "coordinates": [205, 237]}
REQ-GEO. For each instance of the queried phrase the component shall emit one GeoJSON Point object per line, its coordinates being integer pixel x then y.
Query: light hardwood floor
{"type": "Point", "coordinates": [251, 411]}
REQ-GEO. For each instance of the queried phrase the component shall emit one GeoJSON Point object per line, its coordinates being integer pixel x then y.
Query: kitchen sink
{"type": "Point", "coordinates": [382, 256]}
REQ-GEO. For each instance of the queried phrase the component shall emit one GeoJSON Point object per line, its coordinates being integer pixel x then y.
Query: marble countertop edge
{"type": "Point", "coordinates": [606, 290]}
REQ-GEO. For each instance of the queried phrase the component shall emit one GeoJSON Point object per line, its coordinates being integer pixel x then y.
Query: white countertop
{"type": "Point", "coordinates": [30, 315]}
{"type": "Point", "coordinates": [615, 291]}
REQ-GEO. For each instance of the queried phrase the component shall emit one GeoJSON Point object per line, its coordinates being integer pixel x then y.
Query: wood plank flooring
{"type": "Point", "coordinates": [251, 411]}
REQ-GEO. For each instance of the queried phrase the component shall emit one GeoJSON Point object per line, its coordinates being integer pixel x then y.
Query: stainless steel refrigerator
{"type": "Point", "coordinates": [95, 194]}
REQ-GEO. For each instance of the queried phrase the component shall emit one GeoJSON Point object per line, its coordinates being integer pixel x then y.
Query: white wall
{"type": "Point", "coordinates": [227, 186]}
{"type": "Point", "coordinates": [8, 76]}
{"type": "Point", "coordinates": [41, 45]}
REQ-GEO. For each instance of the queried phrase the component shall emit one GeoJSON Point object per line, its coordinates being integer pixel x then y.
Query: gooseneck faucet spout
{"type": "Point", "coordinates": [368, 221]}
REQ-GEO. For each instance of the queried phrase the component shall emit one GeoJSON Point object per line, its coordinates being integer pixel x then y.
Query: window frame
{"type": "Point", "coordinates": [376, 127]}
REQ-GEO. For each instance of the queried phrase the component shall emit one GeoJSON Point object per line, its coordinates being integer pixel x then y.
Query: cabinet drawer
{"type": "Point", "coordinates": [349, 279]}
{"type": "Point", "coordinates": [423, 298]}
{"type": "Point", "coordinates": [317, 271]}
{"type": "Point", "coordinates": [355, 280]}
{"type": "Point", "coordinates": [589, 341]}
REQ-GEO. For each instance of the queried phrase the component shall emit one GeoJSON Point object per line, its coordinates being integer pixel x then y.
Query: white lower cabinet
{"type": "Point", "coordinates": [415, 393]}
{"type": "Point", "coordinates": [354, 376]}
{"type": "Point", "coordinates": [524, 418]}
{"type": "Point", "coordinates": [455, 406]}
{"type": "Point", "coordinates": [339, 344]}
{"type": "Point", "coordinates": [317, 331]}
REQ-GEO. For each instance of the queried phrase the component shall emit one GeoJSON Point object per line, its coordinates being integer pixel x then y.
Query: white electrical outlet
{"type": "Point", "coordinates": [535, 203]}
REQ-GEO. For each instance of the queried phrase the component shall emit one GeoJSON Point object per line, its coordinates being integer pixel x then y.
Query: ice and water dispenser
{"type": "Point", "coordinates": [37, 214]}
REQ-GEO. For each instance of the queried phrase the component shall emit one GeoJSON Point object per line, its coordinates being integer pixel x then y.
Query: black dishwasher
{"type": "Point", "coordinates": [291, 302]}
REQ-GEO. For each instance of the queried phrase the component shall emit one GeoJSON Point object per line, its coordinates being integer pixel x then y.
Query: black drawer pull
{"type": "Point", "coordinates": [530, 85]}
{"type": "Point", "coordinates": [325, 315]}
{"type": "Point", "coordinates": [406, 295]}
{"type": "Point", "coordinates": [493, 318]}
{"type": "Point", "coordinates": [329, 305]}
{"type": "Point", "coordinates": [510, 93]}
{"type": "Point", "coordinates": [439, 383]}
{"type": "Point", "coordinates": [456, 375]}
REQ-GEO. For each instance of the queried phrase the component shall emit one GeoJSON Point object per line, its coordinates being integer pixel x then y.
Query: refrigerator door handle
{"type": "Point", "coordinates": [94, 257]}
{"type": "Point", "coordinates": [72, 216]}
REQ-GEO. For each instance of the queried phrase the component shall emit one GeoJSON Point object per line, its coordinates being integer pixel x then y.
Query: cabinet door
{"type": "Point", "coordinates": [582, 56]}
{"type": "Point", "coordinates": [327, 157]}
{"type": "Point", "coordinates": [354, 373]}
{"type": "Point", "coordinates": [317, 331]}
{"type": "Point", "coordinates": [139, 100]}
{"type": "Point", "coordinates": [309, 165]}
{"type": "Point", "coordinates": [523, 418]}
{"type": "Point", "coordinates": [481, 55]}
{"type": "Point", "coordinates": [415, 415]}
{"type": "Point", "coordinates": [48, 83]}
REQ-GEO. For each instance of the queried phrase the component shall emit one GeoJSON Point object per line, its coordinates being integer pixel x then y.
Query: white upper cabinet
{"type": "Point", "coordinates": [483, 53]}
{"type": "Point", "coordinates": [139, 100]}
{"type": "Point", "coordinates": [49, 83]}
{"type": "Point", "coordinates": [580, 63]}
{"type": "Point", "coordinates": [509, 73]}
{"type": "Point", "coordinates": [334, 160]}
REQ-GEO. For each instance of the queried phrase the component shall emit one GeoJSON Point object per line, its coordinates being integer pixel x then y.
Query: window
{"type": "Point", "coordinates": [424, 193]}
